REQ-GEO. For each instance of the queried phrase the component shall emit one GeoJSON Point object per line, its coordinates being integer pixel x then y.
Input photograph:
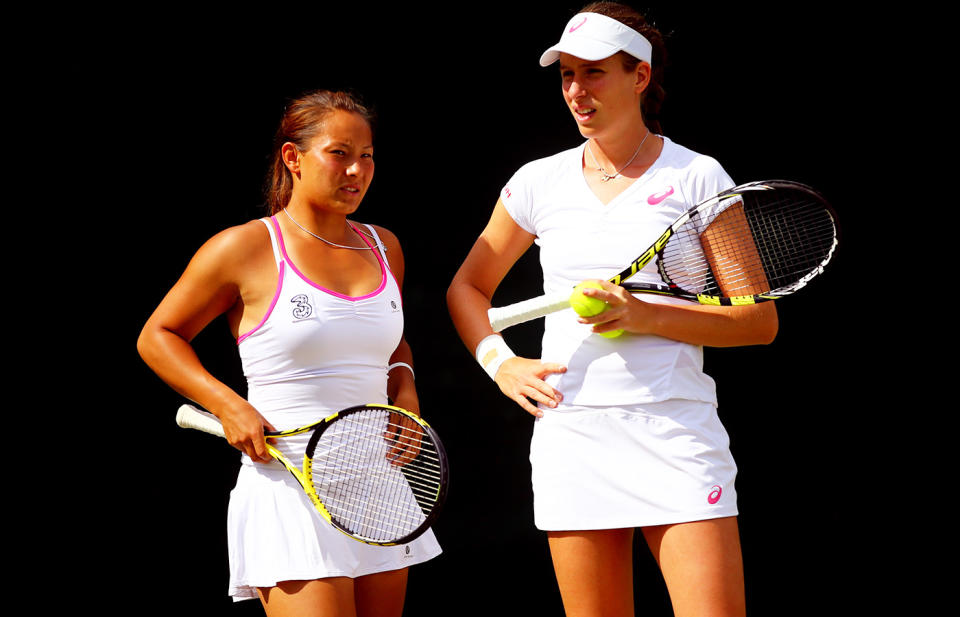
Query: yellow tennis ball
{"type": "Point", "coordinates": [586, 306]}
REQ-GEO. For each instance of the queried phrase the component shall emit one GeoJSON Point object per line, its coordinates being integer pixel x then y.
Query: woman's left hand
{"type": "Point", "coordinates": [624, 310]}
{"type": "Point", "coordinates": [687, 322]}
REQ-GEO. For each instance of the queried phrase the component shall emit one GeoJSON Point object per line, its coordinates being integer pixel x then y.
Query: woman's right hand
{"type": "Point", "coordinates": [522, 379]}
{"type": "Point", "coordinates": [244, 426]}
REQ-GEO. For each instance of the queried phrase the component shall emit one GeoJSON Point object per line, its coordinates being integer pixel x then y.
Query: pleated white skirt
{"type": "Point", "coordinates": [274, 534]}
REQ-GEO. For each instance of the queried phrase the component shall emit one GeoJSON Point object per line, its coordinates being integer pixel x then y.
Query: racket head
{"type": "Point", "coordinates": [380, 472]}
{"type": "Point", "coordinates": [755, 242]}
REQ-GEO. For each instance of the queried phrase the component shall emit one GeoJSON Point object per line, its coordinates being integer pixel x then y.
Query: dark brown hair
{"type": "Point", "coordinates": [303, 120]}
{"type": "Point", "coordinates": [652, 98]}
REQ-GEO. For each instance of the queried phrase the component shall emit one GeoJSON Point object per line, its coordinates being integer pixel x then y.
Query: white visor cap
{"type": "Point", "coordinates": [592, 37]}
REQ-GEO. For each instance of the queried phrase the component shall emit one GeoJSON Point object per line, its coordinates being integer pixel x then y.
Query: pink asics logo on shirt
{"type": "Point", "coordinates": [714, 495]}
{"type": "Point", "coordinates": [658, 197]}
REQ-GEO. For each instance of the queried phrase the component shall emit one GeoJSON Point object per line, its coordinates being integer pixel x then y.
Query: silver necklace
{"type": "Point", "coordinates": [340, 246]}
{"type": "Point", "coordinates": [607, 177]}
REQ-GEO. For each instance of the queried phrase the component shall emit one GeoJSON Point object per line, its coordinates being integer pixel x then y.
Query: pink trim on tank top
{"type": "Point", "coordinates": [286, 259]}
{"type": "Point", "coordinates": [273, 303]}
{"type": "Point", "coordinates": [383, 267]}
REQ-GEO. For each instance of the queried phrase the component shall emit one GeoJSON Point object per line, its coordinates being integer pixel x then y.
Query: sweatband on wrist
{"type": "Point", "coordinates": [492, 352]}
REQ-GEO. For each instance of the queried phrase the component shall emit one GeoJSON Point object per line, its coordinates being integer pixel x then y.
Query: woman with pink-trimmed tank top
{"type": "Point", "coordinates": [313, 299]}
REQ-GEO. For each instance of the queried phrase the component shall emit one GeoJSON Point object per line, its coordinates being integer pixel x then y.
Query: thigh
{"type": "Point", "coordinates": [702, 565]}
{"type": "Point", "coordinates": [594, 571]}
{"type": "Point", "coordinates": [373, 595]}
{"type": "Point", "coordinates": [381, 594]}
{"type": "Point", "coordinates": [316, 598]}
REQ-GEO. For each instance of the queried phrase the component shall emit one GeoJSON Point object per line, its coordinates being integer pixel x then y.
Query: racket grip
{"type": "Point", "coordinates": [503, 317]}
{"type": "Point", "coordinates": [189, 416]}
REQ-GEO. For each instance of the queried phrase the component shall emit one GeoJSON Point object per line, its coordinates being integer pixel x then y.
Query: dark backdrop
{"type": "Point", "coordinates": [183, 107]}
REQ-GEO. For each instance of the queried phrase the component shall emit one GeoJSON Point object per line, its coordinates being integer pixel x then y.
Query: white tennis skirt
{"type": "Point", "coordinates": [274, 534]}
{"type": "Point", "coordinates": [611, 468]}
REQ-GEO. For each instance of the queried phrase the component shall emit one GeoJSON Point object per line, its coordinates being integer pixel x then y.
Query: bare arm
{"type": "Point", "coordinates": [710, 326]}
{"type": "Point", "coordinates": [713, 326]}
{"type": "Point", "coordinates": [209, 287]}
{"type": "Point", "coordinates": [499, 246]}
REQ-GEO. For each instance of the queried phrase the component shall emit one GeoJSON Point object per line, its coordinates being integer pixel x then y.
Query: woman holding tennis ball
{"type": "Point", "coordinates": [588, 306]}
{"type": "Point", "coordinates": [627, 434]}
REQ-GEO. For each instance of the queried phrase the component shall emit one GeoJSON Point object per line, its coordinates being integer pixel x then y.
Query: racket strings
{"type": "Point", "coordinates": [379, 478]}
{"type": "Point", "coordinates": [796, 239]}
{"type": "Point", "coordinates": [373, 513]}
{"type": "Point", "coordinates": [763, 242]}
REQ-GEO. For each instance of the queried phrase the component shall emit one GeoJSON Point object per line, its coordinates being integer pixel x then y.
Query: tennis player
{"type": "Point", "coordinates": [627, 433]}
{"type": "Point", "coordinates": [313, 300]}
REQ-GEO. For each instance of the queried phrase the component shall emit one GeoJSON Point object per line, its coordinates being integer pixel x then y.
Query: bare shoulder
{"type": "Point", "coordinates": [250, 240]}
{"type": "Point", "coordinates": [234, 250]}
{"type": "Point", "coordinates": [389, 239]}
{"type": "Point", "coordinates": [394, 254]}
{"type": "Point", "coordinates": [240, 240]}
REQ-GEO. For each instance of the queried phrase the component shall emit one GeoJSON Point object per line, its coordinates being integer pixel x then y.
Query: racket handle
{"type": "Point", "coordinates": [503, 317]}
{"type": "Point", "coordinates": [189, 416]}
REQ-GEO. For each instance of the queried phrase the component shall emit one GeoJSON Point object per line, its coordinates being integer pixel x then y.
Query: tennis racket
{"type": "Point", "coordinates": [752, 243]}
{"type": "Point", "coordinates": [375, 472]}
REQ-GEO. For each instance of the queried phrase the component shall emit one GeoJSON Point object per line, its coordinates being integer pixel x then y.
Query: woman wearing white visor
{"type": "Point", "coordinates": [627, 434]}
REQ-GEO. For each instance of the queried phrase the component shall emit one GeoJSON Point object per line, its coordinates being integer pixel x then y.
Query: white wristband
{"type": "Point", "coordinates": [492, 352]}
{"type": "Point", "coordinates": [396, 364]}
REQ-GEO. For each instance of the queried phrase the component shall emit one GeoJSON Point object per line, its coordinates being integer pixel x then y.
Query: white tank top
{"type": "Point", "coordinates": [317, 351]}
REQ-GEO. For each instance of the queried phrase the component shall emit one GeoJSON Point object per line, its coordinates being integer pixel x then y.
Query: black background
{"type": "Point", "coordinates": [181, 109]}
